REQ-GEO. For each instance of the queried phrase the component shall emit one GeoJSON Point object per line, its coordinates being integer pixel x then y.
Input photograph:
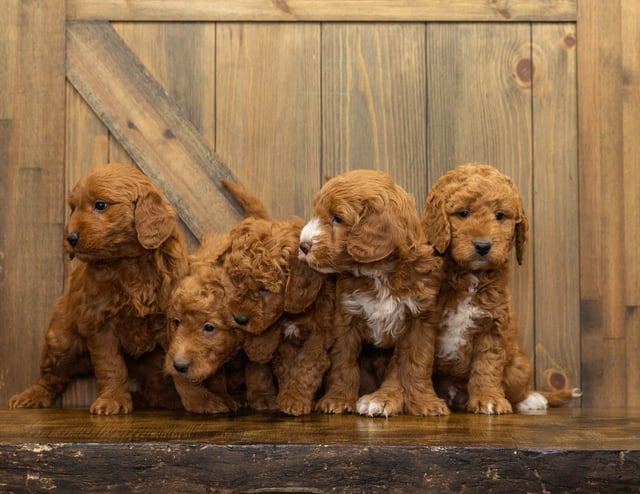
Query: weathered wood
{"type": "Point", "coordinates": [32, 106]}
{"type": "Point", "coordinates": [374, 95]}
{"type": "Point", "coordinates": [479, 94]}
{"type": "Point", "coordinates": [139, 113]}
{"type": "Point", "coordinates": [565, 450]}
{"type": "Point", "coordinates": [555, 176]}
{"type": "Point", "coordinates": [268, 111]}
{"type": "Point", "coordinates": [630, 26]}
{"type": "Point", "coordinates": [323, 10]}
{"type": "Point", "coordinates": [608, 60]}
{"type": "Point", "coordinates": [178, 56]}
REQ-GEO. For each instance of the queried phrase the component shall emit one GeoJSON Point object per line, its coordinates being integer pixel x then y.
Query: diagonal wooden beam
{"type": "Point", "coordinates": [142, 117]}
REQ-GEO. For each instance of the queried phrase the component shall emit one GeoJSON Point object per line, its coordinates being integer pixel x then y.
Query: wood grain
{"type": "Point", "coordinates": [32, 109]}
{"type": "Point", "coordinates": [323, 10]}
{"type": "Point", "coordinates": [179, 57]}
{"type": "Point", "coordinates": [268, 111]}
{"type": "Point", "coordinates": [479, 94]}
{"type": "Point", "coordinates": [608, 84]}
{"type": "Point", "coordinates": [374, 101]}
{"type": "Point", "coordinates": [555, 182]}
{"type": "Point", "coordinates": [137, 111]}
{"type": "Point", "coordinates": [563, 450]}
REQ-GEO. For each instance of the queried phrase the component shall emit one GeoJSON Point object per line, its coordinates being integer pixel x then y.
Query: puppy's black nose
{"type": "Point", "coordinates": [241, 320]}
{"type": "Point", "coordinates": [482, 247]}
{"type": "Point", "coordinates": [305, 247]}
{"type": "Point", "coordinates": [73, 238]}
{"type": "Point", "coordinates": [181, 366]}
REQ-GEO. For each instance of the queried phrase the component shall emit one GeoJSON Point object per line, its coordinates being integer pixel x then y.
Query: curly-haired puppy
{"type": "Point", "coordinates": [473, 217]}
{"type": "Point", "coordinates": [131, 252]}
{"type": "Point", "coordinates": [248, 291]}
{"type": "Point", "coordinates": [366, 228]}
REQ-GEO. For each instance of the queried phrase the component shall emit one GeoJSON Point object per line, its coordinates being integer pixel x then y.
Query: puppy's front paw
{"type": "Point", "coordinates": [330, 404]}
{"type": "Point", "coordinates": [34, 397]}
{"type": "Point", "coordinates": [489, 405]}
{"type": "Point", "coordinates": [378, 406]}
{"type": "Point", "coordinates": [428, 407]}
{"type": "Point", "coordinates": [109, 405]}
{"type": "Point", "coordinates": [292, 405]}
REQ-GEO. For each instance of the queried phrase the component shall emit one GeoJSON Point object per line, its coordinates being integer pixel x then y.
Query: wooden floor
{"type": "Point", "coordinates": [563, 450]}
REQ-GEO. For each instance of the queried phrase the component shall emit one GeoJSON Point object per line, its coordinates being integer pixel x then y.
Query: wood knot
{"type": "Point", "coordinates": [525, 70]}
{"type": "Point", "coordinates": [555, 379]}
{"type": "Point", "coordinates": [569, 41]}
{"type": "Point", "coordinates": [131, 125]}
{"type": "Point", "coordinates": [168, 134]}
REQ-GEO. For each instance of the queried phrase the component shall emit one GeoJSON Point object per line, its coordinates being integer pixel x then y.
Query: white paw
{"type": "Point", "coordinates": [535, 401]}
{"type": "Point", "coordinates": [371, 408]}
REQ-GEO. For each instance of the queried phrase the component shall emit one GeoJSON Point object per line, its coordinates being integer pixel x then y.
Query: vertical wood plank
{"type": "Point", "coordinates": [555, 181]}
{"type": "Point", "coordinates": [630, 33]}
{"type": "Point", "coordinates": [601, 179]}
{"type": "Point", "coordinates": [32, 182]}
{"type": "Point", "coordinates": [608, 122]}
{"type": "Point", "coordinates": [374, 101]}
{"type": "Point", "coordinates": [630, 29]}
{"type": "Point", "coordinates": [479, 97]}
{"type": "Point", "coordinates": [268, 111]}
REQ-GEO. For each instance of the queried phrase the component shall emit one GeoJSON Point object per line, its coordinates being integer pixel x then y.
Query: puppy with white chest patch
{"type": "Point", "coordinates": [473, 217]}
{"type": "Point", "coordinates": [366, 228]}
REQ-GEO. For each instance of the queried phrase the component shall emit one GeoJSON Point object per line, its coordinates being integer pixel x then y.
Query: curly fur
{"type": "Point", "coordinates": [474, 216]}
{"type": "Point", "coordinates": [131, 252]}
{"type": "Point", "coordinates": [257, 297]}
{"type": "Point", "coordinates": [366, 228]}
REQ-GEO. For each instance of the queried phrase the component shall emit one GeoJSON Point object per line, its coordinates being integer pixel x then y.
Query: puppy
{"type": "Point", "coordinates": [125, 236]}
{"type": "Point", "coordinates": [366, 228]}
{"type": "Point", "coordinates": [473, 217]}
{"type": "Point", "coordinates": [248, 291]}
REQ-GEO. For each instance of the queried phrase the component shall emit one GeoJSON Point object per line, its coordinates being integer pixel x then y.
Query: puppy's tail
{"type": "Point", "coordinates": [561, 397]}
{"type": "Point", "coordinates": [251, 205]}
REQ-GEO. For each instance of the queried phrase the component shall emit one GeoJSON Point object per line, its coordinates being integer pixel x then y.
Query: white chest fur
{"type": "Point", "coordinates": [384, 314]}
{"type": "Point", "coordinates": [457, 323]}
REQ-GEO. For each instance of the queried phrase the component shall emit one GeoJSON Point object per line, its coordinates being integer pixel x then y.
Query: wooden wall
{"type": "Point", "coordinates": [280, 95]}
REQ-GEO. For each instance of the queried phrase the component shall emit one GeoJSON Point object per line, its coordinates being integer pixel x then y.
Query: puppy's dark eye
{"type": "Point", "coordinates": [463, 214]}
{"type": "Point", "coordinates": [336, 220]}
{"type": "Point", "coordinates": [500, 216]}
{"type": "Point", "coordinates": [175, 322]}
{"type": "Point", "coordinates": [100, 205]}
{"type": "Point", "coordinates": [263, 291]}
{"type": "Point", "coordinates": [208, 328]}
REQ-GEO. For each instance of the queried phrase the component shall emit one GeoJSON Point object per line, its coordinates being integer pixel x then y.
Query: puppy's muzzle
{"type": "Point", "coordinates": [73, 238]}
{"type": "Point", "coordinates": [482, 247]}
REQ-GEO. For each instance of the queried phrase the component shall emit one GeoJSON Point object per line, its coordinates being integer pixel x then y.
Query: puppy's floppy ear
{"type": "Point", "coordinates": [435, 221]}
{"type": "Point", "coordinates": [521, 235]}
{"type": "Point", "coordinates": [372, 238]}
{"type": "Point", "coordinates": [154, 220]}
{"type": "Point", "coordinates": [260, 348]}
{"type": "Point", "coordinates": [302, 287]}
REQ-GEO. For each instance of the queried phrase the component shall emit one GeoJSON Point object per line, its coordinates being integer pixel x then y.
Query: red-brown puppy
{"type": "Point", "coordinates": [131, 252]}
{"type": "Point", "coordinates": [248, 291]}
{"type": "Point", "coordinates": [366, 228]}
{"type": "Point", "coordinates": [473, 217]}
